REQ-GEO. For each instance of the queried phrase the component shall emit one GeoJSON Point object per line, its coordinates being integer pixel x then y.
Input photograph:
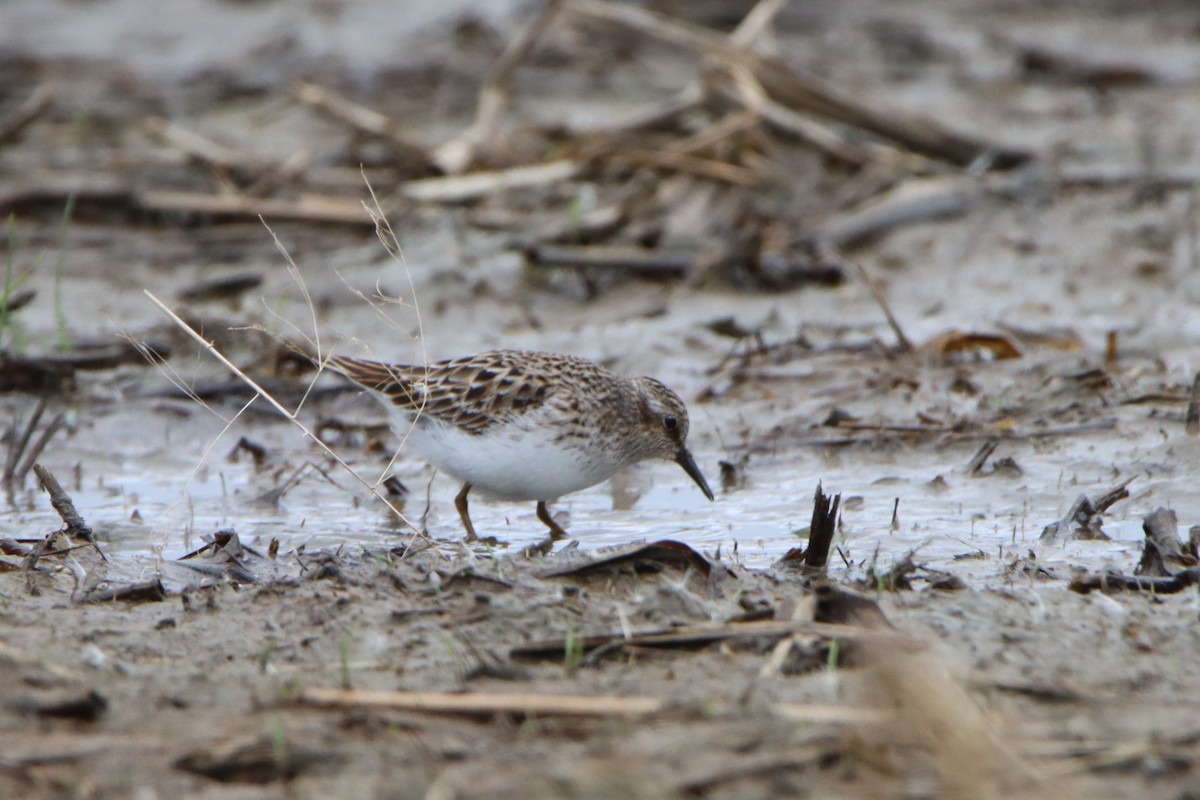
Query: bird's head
{"type": "Point", "coordinates": [664, 419]}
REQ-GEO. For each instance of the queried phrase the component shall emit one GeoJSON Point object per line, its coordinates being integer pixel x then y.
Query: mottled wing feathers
{"type": "Point", "coordinates": [471, 393]}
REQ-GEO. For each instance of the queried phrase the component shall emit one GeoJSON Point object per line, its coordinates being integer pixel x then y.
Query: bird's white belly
{"type": "Point", "coordinates": [511, 464]}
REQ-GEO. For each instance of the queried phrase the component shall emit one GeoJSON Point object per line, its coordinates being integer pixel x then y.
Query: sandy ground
{"type": "Point", "coordinates": [1011, 686]}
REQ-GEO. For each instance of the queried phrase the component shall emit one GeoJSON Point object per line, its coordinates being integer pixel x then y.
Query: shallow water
{"type": "Point", "coordinates": [992, 518]}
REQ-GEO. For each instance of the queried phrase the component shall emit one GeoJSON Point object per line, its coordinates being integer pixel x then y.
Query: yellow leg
{"type": "Point", "coordinates": [556, 531]}
{"type": "Point", "coordinates": [460, 503]}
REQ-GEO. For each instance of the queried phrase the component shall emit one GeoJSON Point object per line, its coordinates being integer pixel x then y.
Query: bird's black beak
{"type": "Point", "coordinates": [684, 459]}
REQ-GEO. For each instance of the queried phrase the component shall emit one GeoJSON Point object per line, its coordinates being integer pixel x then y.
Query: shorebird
{"type": "Point", "coordinates": [521, 425]}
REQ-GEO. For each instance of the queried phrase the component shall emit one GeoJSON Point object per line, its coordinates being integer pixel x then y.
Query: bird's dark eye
{"type": "Point", "coordinates": [670, 423]}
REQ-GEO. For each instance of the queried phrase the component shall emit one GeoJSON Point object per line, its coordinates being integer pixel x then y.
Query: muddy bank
{"type": "Point", "coordinates": [413, 677]}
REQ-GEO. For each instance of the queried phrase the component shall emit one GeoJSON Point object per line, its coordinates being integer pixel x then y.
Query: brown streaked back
{"type": "Point", "coordinates": [472, 393]}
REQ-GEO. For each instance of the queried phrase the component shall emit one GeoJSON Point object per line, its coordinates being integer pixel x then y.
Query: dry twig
{"type": "Point", "coordinates": [199, 148]}
{"type": "Point", "coordinates": [747, 91]}
{"type": "Point", "coordinates": [365, 120]}
{"type": "Point", "coordinates": [460, 188]}
{"type": "Point", "coordinates": [38, 103]}
{"type": "Point", "coordinates": [805, 92]}
{"type": "Point", "coordinates": [312, 208]}
{"type": "Point", "coordinates": [485, 703]}
{"type": "Point", "coordinates": [457, 154]}
{"type": "Point", "coordinates": [912, 202]}
{"type": "Point", "coordinates": [902, 341]}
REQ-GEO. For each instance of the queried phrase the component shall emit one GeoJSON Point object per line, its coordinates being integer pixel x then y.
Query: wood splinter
{"type": "Point", "coordinates": [824, 526]}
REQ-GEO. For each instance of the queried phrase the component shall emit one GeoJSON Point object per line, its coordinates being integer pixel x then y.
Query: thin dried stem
{"type": "Point", "coordinates": [904, 343]}
{"type": "Point", "coordinates": [755, 23]}
{"type": "Point", "coordinates": [264, 394]}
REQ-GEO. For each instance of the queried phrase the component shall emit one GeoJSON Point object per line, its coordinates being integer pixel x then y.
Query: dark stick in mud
{"type": "Point", "coordinates": [1109, 582]}
{"type": "Point", "coordinates": [76, 527]}
{"type": "Point", "coordinates": [18, 476]}
{"type": "Point", "coordinates": [150, 591]}
{"type": "Point", "coordinates": [982, 455]}
{"type": "Point", "coordinates": [17, 448]}
{"type": "Point", "coordinates": [1162, 549]}
{"type": "Point", "coordinates": [1193, 409]}
{"type": "Point", "coordinates": [824, 525]}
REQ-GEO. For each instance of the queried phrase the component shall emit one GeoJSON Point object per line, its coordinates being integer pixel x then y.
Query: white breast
{"type": "Point", "coordinates": [513, 462]}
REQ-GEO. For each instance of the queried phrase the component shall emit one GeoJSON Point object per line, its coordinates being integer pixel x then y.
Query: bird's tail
{"type": "Point", "coordinates": [393, 380]}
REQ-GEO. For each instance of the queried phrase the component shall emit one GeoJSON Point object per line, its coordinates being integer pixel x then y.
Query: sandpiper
{"type": "Point", "coordinates": [522, 425]}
